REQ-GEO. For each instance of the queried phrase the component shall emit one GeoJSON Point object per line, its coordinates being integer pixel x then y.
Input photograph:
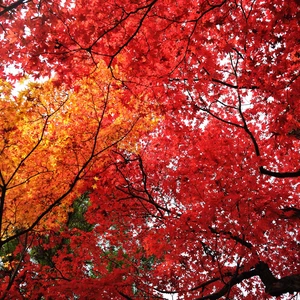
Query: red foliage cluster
{"type": "Point", "coordinates": [206, 204]}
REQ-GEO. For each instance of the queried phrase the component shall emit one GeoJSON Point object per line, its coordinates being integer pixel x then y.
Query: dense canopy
{"type": "Point", "coordinates": [149, 149]}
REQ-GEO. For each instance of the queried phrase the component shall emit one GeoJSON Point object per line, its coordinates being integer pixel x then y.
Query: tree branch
{"type": "Point", "coordinates": [234, 237]}
{"type": "Point", "coordinates": [279, 174]}
{"type": "Point", "coordinates": [273, 286]}
{"type": "Point", "coordinates": [277, 287]}
{"type": "Point", "coordinates": [13, 6]}
{"type": "Point", "coordinates": [234, 281]}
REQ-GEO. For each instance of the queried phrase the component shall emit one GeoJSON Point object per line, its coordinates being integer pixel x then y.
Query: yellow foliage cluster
{"type": "Point", "coordinates": [50, 138]}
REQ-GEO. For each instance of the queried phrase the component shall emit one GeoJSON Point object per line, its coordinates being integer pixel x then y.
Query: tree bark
{"type": "Point", "coordinates": [277, 287]}
{"type": "Point", "coordinates": [273, 285]}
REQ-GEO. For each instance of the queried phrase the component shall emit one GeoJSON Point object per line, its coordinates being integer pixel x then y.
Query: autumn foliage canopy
{"type": "Point", "coordinates": [149, 149]}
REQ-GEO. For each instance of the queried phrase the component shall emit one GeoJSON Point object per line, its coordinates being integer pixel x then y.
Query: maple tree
{"type": "Point", "coordinates": [203, 204]}
{"type": "Point", "coordinates": [51, 138]}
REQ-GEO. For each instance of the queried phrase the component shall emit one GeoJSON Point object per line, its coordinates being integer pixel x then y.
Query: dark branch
{"type": "Point", "coordinates": [12, 6]}
{"type": "Point", "coordinates": [124, 295]}
{"type": "Point", "coordinates": [234, 281]}
{"type": "Point", "coordinates": [134, 34]}
{"type": "Point", "coordinates": [291, 213]}
{"type": "Point", "coordinates": [277, 287]}
{"type": "Point", "coordinates": [279, 174]}
{"type": "Point", "coordinates": [234, 237]}
{"type": "Point", "coordinates": [233, 86]}
{"type": "Point", "coordinates": [273, 286]}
